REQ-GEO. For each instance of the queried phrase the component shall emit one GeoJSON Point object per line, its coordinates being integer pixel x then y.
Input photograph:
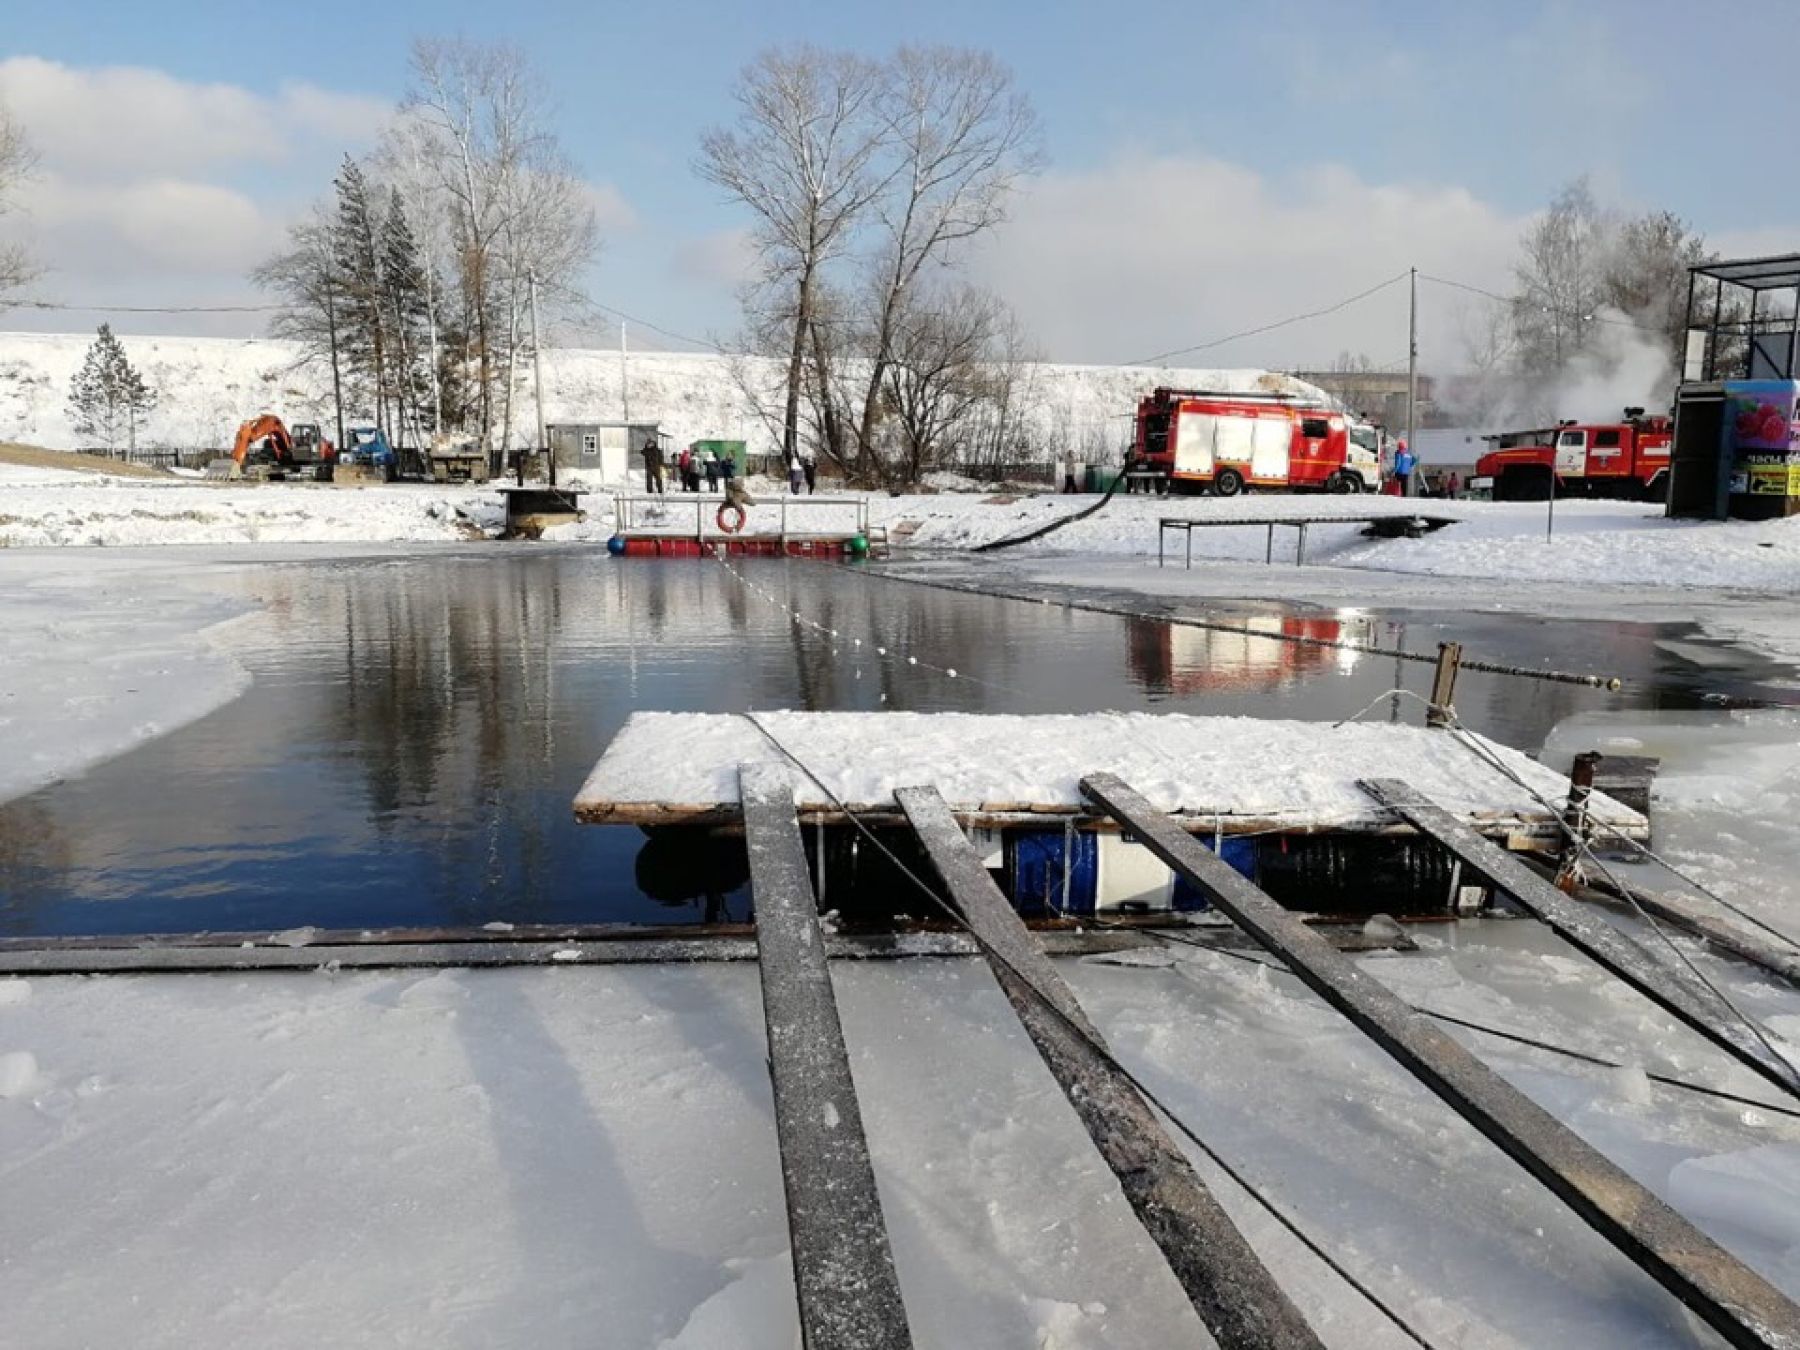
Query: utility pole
{"type": "Point", "coordinates": [1412, 375]}
{"type": "Point", "coordinates": [537, 376]}
{"type": "Point", "coordinates": [624, 373]}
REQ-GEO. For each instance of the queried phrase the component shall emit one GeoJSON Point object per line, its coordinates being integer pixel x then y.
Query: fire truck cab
{"type": "Point", "coordinates": [1200, 440]}
{"type": "Point", "coordinates": [1627, 459]}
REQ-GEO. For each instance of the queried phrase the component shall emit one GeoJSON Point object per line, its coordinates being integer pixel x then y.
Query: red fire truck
{"type": "Point", "coordinates": [1199, 440]}
{"type": "Point", "coordinates": [1627, 459]}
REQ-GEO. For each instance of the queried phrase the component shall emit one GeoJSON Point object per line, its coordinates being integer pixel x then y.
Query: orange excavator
{"type": "Point", "coordinates": [268, 449]}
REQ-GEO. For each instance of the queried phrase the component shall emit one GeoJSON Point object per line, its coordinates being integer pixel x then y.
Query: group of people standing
{"type": "Point", "coordinates": [718, 471]}
{"type": "Point", "coordinates": [690, 469]}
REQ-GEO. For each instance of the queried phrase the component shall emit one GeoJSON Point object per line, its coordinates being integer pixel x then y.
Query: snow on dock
{"type": "Point", "coordinates": [1248, 774]}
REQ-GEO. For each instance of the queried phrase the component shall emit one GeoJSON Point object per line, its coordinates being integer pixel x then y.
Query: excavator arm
{"type": "Point", "coordinates": [265, 427]}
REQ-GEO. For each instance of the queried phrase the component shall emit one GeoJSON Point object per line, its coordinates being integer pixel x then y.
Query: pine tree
{"type": "Point", "coordinates": [356, 259]}
{"type": "Point", "coordinates": [407, 306]}
{"type": "Point", "coordinates": [108, 396]}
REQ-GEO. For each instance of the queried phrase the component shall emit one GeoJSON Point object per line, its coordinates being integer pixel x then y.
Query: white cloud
{"type": "Point", "coordinates": [1152, 252]}
{"type": "Point", "coordinates": [612, 212]}
{"type": "Point", "coordinates": [127, 120]}
{"type": "Point", "coordinates": [725, 258]}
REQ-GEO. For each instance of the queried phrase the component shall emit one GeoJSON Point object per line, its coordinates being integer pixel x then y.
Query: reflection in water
{"type": "Point", "coordinates": [418, 726]}
{"type": "Point", "coordinates": [1185, 661]}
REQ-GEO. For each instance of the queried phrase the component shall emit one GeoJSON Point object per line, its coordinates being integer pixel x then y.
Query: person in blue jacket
{"type": "Point", "coordinates": [1404, 464]}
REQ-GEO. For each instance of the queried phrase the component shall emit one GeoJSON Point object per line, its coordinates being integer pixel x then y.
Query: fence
{"type": "Point", "coordinates": [158, 459]}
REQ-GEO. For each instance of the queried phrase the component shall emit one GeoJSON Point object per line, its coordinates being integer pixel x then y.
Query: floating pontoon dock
{"type": "Point", "coordinates": [692, 524]}
{"type": "Point", "coordinates": [1229, 775]}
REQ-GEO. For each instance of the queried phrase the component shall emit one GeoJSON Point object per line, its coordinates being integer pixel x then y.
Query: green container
{"type": "Point", "coordinates": [732, 450]}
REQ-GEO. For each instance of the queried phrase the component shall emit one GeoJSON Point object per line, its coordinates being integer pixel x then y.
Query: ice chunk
{"type": "Point", "coordinates": [18, 1074]}
{"type": "Point", "coordinates": [1755, 1191]}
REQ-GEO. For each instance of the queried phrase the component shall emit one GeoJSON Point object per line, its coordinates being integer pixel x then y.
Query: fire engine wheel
{"type": "Point", "coordinates": [1228, 483]}
{"type": "Point", "coordinates": [1340, 484]}
{"type": "Point", "coordinates": [737, 518]}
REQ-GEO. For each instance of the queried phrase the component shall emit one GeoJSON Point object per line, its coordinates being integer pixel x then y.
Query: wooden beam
{"type": "Point", "coordinates": [849, 1291]}
{"type": "Point", "coordinates": [1662, 981]}
{"type": "Point", "coordinates": [1781, 962]}
{"type": "Point", "coordinates": [1731, 1298]}
{"type": "Point", "coordinates": [1230, 1288]}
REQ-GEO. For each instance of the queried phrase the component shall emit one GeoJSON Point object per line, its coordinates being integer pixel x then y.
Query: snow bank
{"type": "Point", "coordinates": [1305, 772]}
{"type": "Point", "coordinates": [82, 509]}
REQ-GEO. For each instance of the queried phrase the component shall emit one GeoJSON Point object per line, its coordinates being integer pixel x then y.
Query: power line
{"type": "Point", "coordinates": [1548, 309]}
{"type": "Point", "coordinates": [143, 309]}
{"type": "Point", "coordinates": [1161, 357]}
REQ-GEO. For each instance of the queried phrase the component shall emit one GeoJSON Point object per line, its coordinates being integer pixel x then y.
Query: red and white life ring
{"type": "Point", "coordinates": [737, 524]}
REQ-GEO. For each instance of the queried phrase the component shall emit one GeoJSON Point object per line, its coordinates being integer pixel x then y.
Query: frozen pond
{"type": "Point", "coordinates": [418, 725]}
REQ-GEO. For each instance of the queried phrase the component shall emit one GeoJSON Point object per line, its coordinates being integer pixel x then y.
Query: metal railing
{"type": "Point", "coordinates": [631, 513]}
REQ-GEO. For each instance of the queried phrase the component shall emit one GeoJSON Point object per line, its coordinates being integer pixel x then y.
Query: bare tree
{"type": "Point", "coordinates": [802, 158]}
{"type": "Point", "coordinates": [16, 164]}
{"type": "Point", "coordinates": [304, 277]}
{"type": "Point", "coordinates": [954, 388]}
{"type": "Point", "coordinates": [1646, 274]}
{"type": "Point", "coordinates": [1560, 281]}
{"type": "Point", "coordinates": [480, 131]}
{"type": "Point", "coordinates": [963, 134]}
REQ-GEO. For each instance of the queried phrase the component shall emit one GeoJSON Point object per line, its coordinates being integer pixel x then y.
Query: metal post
{"type": "Point", "coordinates": [1412, 376]}
{"type": "Point", "coordinates": [1269, 547]}
{"type": "Point", "coordinates": [1718, 313]}
{"type": "Point", "coordinates": [1575, 819]}
{"type": "Point", "coordinates": [1443, 685]}
{"type": "Point", "coordinates": [1161, 533]}
{"type": "Point", "coordinates": [537, 379]}
{"type": "Point", "coordinates": [1300, 547]}
{"type": "Point", "coordinates": [1793, 336]}
{"type": "Point", "coordinates": [1190, 547]}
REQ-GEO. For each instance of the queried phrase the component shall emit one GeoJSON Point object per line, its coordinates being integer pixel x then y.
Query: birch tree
{"type": "Point", "coordinates": [516, 208]}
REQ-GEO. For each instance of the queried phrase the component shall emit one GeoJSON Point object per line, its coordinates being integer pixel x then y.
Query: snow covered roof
{"type": "Point", "coordinates": [1250, 773]}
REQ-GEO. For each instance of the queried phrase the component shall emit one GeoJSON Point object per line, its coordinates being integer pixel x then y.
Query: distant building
{"type": "Point", "coordinates": [605, 451]}
{"type": "Point", "coordinates": [1376, 394]}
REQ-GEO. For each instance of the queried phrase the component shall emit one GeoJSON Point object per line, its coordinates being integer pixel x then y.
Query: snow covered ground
{"type": "Point", "coordinates": [586, 1156]}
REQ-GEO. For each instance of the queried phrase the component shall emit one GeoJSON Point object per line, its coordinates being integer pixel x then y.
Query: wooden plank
{"type": "Point", "coordinates": [1664, 982]}
{"type": "Point", "coordinates": [1782, 962]}
{"type": "Point", "coordinates": [1230, 1288]}
{"type": "Point", "coordinates": [163, 955]}
{"type": "Point", "coordinates": [844, 1274]}
{"type": "Point", "coordinates": [1731, 1298]}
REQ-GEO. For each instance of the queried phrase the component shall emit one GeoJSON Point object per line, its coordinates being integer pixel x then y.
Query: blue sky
{"type": "Point", "coordinates": [1210, 167]}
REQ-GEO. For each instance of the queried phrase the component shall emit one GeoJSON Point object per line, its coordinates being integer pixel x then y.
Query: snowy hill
{"type": "Point", "coordinates": [209, 385]}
